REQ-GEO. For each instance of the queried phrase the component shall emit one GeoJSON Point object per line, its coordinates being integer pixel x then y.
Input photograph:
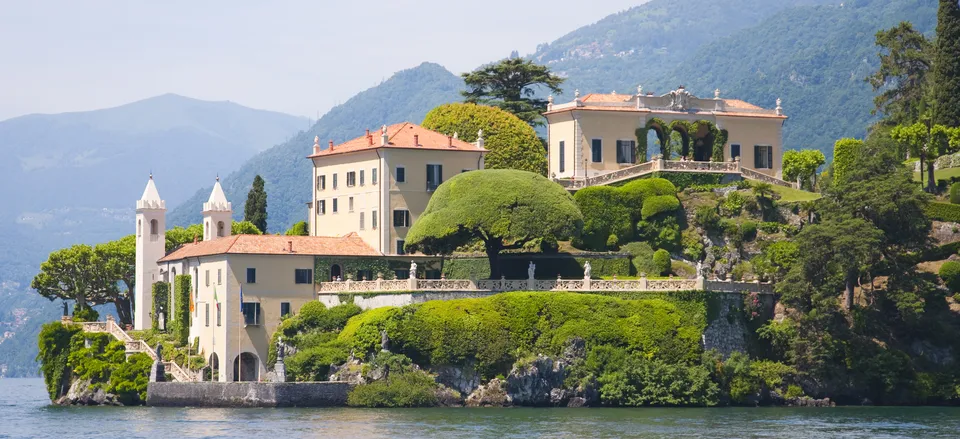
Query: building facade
{"type": "Point", "coordinates": [378, 185]}
{"type": "Point", "coordinates": [598, 133]}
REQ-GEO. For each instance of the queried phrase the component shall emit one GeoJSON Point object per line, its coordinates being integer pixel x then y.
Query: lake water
{"type": "Point", "coordinates": [25, 413]}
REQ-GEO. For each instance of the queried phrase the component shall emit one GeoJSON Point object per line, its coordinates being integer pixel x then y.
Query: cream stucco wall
{"type": "Point", "coordinates": [749, 132]}
{"type": "Point", "coordinates": [384, 197]}
{"type": "Point", "coordinates": [561, 128]}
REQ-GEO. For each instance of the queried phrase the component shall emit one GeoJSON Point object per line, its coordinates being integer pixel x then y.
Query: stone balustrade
{"type": "Point", "coordinates": [136, 346]}
{"type": "Point", "coordinates": [505, 285]}
{"type": "Point", "coordinates": [753, 174]}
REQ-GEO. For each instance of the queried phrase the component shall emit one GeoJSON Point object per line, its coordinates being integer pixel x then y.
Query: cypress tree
{"type": "Point", "coordinates": [946, 65]}
{"type": "Point", "coordinates": [255, 210]}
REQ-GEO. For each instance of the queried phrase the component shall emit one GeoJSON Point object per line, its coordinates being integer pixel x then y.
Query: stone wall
{"type": "Point", "coordinates": [214, 394]}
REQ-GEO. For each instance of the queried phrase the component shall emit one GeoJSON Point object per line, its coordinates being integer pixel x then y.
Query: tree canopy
{"type": "Point", "coordinates": [511, 84]}
{"type": "Point", "coordinates": [77, 273]}
{"type": "Point", "coordinates": [502, 208]}
{"type": "Point", "coordinates": [298, 229]}
{"type": "Point", "coordinates": [802, 164]}
{"type": "Point", "coordinates": [255, 210]}
{"type": "Point", "coordinates": [901, 80]}
{"type": "Point", "coordinates": [946, 66]}
{"type": "Point", "coordinates": [512, 143]}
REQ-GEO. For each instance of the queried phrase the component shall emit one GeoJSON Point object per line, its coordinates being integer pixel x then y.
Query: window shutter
{"type": "Point", "coordinates": [756, 156]}
{"type": "Point", "coordinates": [620, 157]}
{"type": "Point", "coordinates": [770, 157]}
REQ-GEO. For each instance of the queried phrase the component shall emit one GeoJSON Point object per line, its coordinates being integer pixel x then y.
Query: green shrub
{"type": "Point", "coordinates": [943, 212]}
{"type": "Point", "coordinates": [740, 270]}
{"type": "Point", "coordinates": [660, 233]}
{"type": "Point", "coordinates": [661, 260]}
{"type": "Point", "coordinates": [659, 205]}
{"type": "Point", "coordinates": [635, 192]}
{"type": "Point", "coordinates": [683, 180]}
{"type": "Point", "coordinates": [651, 382]}
{"type": "Point", "coordinates": [950, 273]}
{"type": "Point", "coordinates": [313, 364]}
{"type": "Point", "coordinates": [793, 391]}
{"type": "Point", "coordinates": [769, 227]}
{"type": "Point", "coordinates": [955, 193]}
{"type": "Point", "coordinates": [409, 389]}
{"type": "Point", "coordinates": [84, 313]}
{"type": "Point", "coordinates": [845, 152]}
{"type": "Point", "coordinates": [692, 245]}
{"type": "Point", "coordinates": [732, 204]}
{"type": "Point", "coordinates": [180, 324]}
{"type": "Point", "coordinates": [604, 214]}
{"type": "Point", "coordinates": [129, 380]}
{"type": "Point", "coordinates": [54, 353]}
{"type": "Point", "coordinates": [748, 229]}
{"type": "Point", "coordinates": [641, 256]}
{"type": "Point", "coordinates": [298, 229]}
{"type": "Point", "coordinates": [161, 299]}
{"type": "Point", "coordinates": [706, 217]}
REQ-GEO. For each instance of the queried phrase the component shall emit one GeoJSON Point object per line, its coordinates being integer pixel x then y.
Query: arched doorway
{"type": "Point", "coordinates": [246, 367]}
{"type": "Point", "coordinates": [214, 365]}
{"type": "Point", "coordinates": [335, 272]}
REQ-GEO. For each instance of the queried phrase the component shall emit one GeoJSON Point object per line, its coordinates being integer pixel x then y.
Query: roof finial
{"type": "Point", "coordinates": [779, 107]}
{"type": "Point", "coordinates": [639, 90]}
{"type": "Point", "coordinates": [316, 141]}
{"type": "Point", "coordinates": [218, 176]}
{"type": "Point", "coordinates": [456, 135]}
{"type": "Point", "coordinates": [480, 142]}
{"type": "Point", "coordinates": [716, 94]}
{"type": "Point", "coordinates": [151, 174]}
{"type": "Point", "coordinates": [576, 94]}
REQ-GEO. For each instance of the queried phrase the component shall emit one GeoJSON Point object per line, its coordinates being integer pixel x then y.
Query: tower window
{"type": "Point", "coordinates": [220, 229]}
{"type": "Point", "coordinates": [154, 227]}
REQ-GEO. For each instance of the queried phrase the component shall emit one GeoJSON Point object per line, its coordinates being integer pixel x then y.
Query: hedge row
{"type": "Point", "coordinates": [944, 212]}
{"type": "Point", "coordinates": [515, 267]}
{"type": "Point", "coordinates": [611, 213]}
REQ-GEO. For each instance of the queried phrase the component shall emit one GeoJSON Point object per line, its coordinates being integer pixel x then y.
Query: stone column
{"type": "Point", "coordinates": [700, 282]}
{"type": "Point", "coordinates": [643, 281]}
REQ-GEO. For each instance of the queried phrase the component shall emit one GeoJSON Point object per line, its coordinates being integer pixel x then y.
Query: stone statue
{"type": "Point", "coordinates": [679, 99]}
{"type": "Point", "coordinates": [384, 341]}
{"type": "Point", "coordinates": [161, 321]}
{"type": "Point", "coordinates": [160, 352]}
{"type": "Point", "coordinates": [716, 94]}
{"type": "Point", "coordinates": [699, 268]}
{"type": "Point", "coordinates": [587, 270]}
{"type": "Point", "coordinates": [281, 349]}
{"type": "Point", "coordinates": [413, 270]}
{"type": "Point", "coordinates": [531, 269]}
{"type": "Point", "coordinates": [65, 308]}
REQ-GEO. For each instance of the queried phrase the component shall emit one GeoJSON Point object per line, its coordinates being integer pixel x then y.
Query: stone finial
{"type": "Point", "coordinates": [456, 135]}
{"type": "Point", "coordinates": [716, 94]}
{"type": "Point", "coordinates": [480, 141]}
{"type": "Point", "coordinates": [614, 93]}
{"type": "Point", "coordinates": [218, 176]}
{"type": "Point", "coordinates": [316, 141]}
{"type": "Point", "coordinates": [384, 138]}
{"type": "Point", "coordinates": [576, 94]}
{"type": "Point", "coordinates": [550, 99]}
{"type": "Point", "coordinates": [639, 90]}
{"type": "Point", "coordinates": [779, 107]}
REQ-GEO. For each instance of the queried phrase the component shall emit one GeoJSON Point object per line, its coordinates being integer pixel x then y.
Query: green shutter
{"type": "Point", "coordinates": [756, 156]}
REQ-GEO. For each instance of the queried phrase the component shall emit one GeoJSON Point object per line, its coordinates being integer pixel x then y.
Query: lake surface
{"type": "Point", "coordinates": [25, 412]}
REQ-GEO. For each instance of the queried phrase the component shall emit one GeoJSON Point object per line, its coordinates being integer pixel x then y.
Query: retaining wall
{"type": "Point", "coordinates": [247, 394]}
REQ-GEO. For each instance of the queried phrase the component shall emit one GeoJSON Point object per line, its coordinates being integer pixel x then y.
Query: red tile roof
{"type": "Point", "coordinates": [349, 245]}
{"type": "Point", "coordinates": [401, 135]}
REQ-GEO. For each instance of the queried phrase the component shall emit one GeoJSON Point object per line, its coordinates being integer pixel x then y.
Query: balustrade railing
{"type": "Point", "coordinates": [130, 345]}
{"type": "Point", "coordinates": [753, 174]}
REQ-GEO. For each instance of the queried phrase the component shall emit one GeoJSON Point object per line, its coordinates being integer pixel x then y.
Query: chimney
{"type": "Point", "coordinates": [290, 246]}
{"type": "Point", "coordinates": [331, 145]}
{"type": "Point", "coordinates": [450, 141]}
{"type": "Point", "coordinates": [194, 239]}
{"type": "Point", "coordinates": [368, 132]}
{"type": "Point", "coordinates": [316, 144]}
{"type": "Point", "coordinates": [369, 139]}
{"type": "Point", "coordinates": [416, 140]}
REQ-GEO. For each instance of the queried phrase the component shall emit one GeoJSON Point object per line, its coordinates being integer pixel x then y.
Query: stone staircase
{"type": "Point", "coordinates": [133, 346]}
{"type": "Point", "coordinates": [650, 167]}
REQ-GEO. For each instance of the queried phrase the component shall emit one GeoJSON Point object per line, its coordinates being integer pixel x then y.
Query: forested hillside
{"type": "Point", "coordinates": [406, 96]}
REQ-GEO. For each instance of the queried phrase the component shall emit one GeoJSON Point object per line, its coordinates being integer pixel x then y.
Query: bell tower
{"type": "Point", "coordinates": [150, 247]}
{"type": "Point", "coordinates": [217, 214]}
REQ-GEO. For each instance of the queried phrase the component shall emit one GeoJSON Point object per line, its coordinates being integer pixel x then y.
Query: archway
{"type": "Point", "coordinates": [214, 364]}
{"type": "Point", "coordinates": [335, 272]}
{"type": "Point", "coordinates": [220, 229]}
{"type": "Point", "coordinates": [246, 367]}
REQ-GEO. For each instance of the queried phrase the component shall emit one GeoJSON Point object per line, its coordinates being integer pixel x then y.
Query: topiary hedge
{"type": "Point", "coordinates": [661, 260]}
{"type": "Point", "coordinates": [514, 266]}
{"type": "Point", "coordinates": [943, 212]}
{"type": "Point", "coordinates": [955, 193]}
{"type": "Point", "coordinates": [161, 299]}
{"type": "Point", "coordinates": [845, 152]}
{"type": "Point", "coordinates": [658, 205]}
{"type": "Point", "coordinates": [683, 180]}
{"type": "Point", "coordinates": [604, 215]}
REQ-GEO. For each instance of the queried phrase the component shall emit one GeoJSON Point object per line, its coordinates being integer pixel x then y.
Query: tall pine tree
{"type": "Point", "coordinates": [255, 210]}
{"type": "Point", "coordinates": [946, 65]}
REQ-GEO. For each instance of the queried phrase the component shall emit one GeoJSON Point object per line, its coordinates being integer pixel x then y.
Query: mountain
{"type": "Point", "coordinates": [813, 54]}
{"type": "Point", "coordinates": [67, 179]}
{"type": "Point", "coordinates": [406, 96]}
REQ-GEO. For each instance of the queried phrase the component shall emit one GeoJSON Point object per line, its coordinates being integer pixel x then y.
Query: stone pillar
{"type": "Point", "coordinates": [379, 281]}
{"type": "Point", "coordinates": [700, 282]}
{"type": "Point", "coordinates": [586, 283]}
{"type": "Point", "coordinates": [531, 284]}
{"type": "Point", "coordinates": [412, 283]}
{"type": "Point", "coordinates": [643, 281]}
{"type": "Point", "coordinates": [157, 372]}
{"type": "Point", "coordinates": [280, 371]}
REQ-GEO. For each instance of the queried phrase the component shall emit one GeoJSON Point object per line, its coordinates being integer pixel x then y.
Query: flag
{"type": "Point", "coordinates": [191, 304]}
{"type": "Point", "coordinates": [241, 299]}
{"type": "Point", "coordinates": [215, 299]}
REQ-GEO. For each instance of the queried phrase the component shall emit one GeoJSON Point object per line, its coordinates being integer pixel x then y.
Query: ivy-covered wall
{"type": "Point", "coordinates": [180, 324]}
{"type": "Point", "coordinates": [161, 299]}
{"type": "Point", "coordinates": [548, 266]}
{"type": "Point", "coordinates": [350, 268]}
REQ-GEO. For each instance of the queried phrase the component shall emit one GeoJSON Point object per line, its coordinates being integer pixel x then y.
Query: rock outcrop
{"type": "Point", "coordinates": [492, 394]}
{"type": "Point", "coordinates": [82, 393]}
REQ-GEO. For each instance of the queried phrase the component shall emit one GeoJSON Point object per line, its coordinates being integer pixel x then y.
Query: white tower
{"type": "Point", "coordinates": [217, 214]}
{"type": "Point", "coordinates": [151, 246]}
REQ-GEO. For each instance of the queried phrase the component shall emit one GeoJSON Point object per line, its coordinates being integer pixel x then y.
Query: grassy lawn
{"type": "Point", "coordinates": [945, 174]}
{"type": "Point", "coordinates": [788, 195]}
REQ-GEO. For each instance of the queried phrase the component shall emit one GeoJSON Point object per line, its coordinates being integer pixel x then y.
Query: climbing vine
{"type": "Point", "coordinates": [642, 143]}
{"type": "Point", "coordinates": [161, 298]}
{"type": "Point", "coordinates": [660, 127]}
{"type": "Point", "coordinates": [349, 267]}
{"type": "Point", "coordinates": [180, 326]}
{"type": "Point", "coordinates": [54, 344]}
{"type": "Point", "coordinates": [719, 140]}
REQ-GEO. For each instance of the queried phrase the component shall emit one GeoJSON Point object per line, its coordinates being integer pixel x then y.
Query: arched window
{"type": "Point", "coordinates": [154, 227]}
{"type": "Point", "coordinates": [220, 229]}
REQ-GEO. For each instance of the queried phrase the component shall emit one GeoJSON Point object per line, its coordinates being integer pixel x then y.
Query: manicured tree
{"type": "Point", "coordinates": [178, 236]}
{"type": "Point", "coordinates": [502, 208]}
{"type": "Point", "coordinates": [77, 273]}
{"type": "Point", "coordinates": [606, 218]}
{"type": "Point", "coordinates": [180, 324]}
{"type": "Point", "coordinates": [661, 260]}
{"type": "Point", "coordinates": [298, 229]}
{"type": "Point", "coordinates": [244, 228]}
{"type": "Point", "coordinates": [512, 143]}
{"type": "Point", "coordinates": [927, 142]}
{"type": "Point", "coordinates": [511, 84]}
{"type": "Point", "coordinates": [946, 66]}
{"type": "Point", "coordinates": [802, 165]}
{"type": "Point", "coordinates": [905, 61]}
{"type": "Point", "coordinates": [844, 153]}
{"type": "Point", "coordinates": [255, 210]}
{"type": "Point", "coordinates": [955, 193]}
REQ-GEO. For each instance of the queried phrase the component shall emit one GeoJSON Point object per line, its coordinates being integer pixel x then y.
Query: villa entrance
{"type": "Point", "coordinates": [335, 272]}
{"type": "Point", "coordinates": [246, 367]}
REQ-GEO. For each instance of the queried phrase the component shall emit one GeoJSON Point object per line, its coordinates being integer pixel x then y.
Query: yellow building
{"type": "Point", "coordinates": [377, 185]}
{"type": "Point", "coordinates": [597, 133]}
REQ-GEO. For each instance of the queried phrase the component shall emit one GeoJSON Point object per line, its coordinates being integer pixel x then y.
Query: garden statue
{"type": "Point", "coordinates": [531, 269]}
{"type": "Point", "coordinates": [161, 321]}
{"type": "Point", "coordinates": [384, 341]}
{"type": "Point", "coordinates": [587, 270]}
{"type": "Point", "coordinates": [699, 268]}
{"type": "Point", "coordinates": [64, 308]}
{"type": "Point", "coordinates": [281, 349]}
{"type": "Point", "coordinates": [413, 270]}
{"type": "Point", "coordinates": [159, 352]}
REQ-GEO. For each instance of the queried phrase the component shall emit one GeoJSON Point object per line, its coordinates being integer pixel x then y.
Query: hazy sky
{"type": "Point", "coordinates": [298, 57]}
